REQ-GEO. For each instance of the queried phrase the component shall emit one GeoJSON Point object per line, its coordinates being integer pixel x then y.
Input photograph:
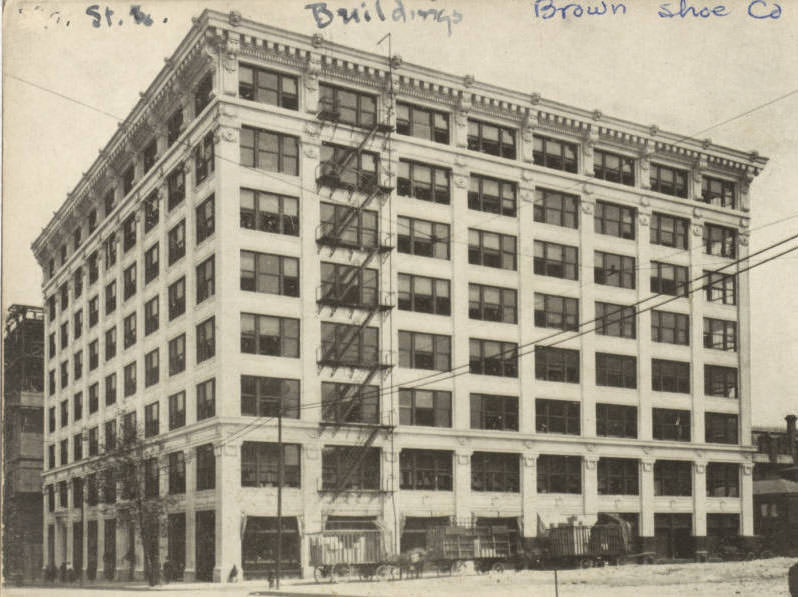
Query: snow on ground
{"type": "Point", "coordinates": [759, 578]}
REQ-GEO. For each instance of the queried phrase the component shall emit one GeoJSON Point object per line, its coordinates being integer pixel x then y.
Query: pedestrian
{"type": "Point", "coordinates": [792, 580]}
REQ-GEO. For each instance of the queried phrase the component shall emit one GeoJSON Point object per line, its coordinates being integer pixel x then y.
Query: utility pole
{"type": "Point", "coordinates": [280, 473]}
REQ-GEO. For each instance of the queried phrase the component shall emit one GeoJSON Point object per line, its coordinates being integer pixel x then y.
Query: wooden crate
{"type": "Point", "coordinates": [329, 548]}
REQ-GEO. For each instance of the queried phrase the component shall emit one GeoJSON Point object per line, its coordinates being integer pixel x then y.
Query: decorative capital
{"type": "Point", "coordinates": [460, 181]}
{"type": "Point", "coordinates": [530, 460]}
{"type": "Point", "coordinates": [463, 459]}
{"type": "Point", "coordinates": [317, 40]}
{"type": "Point", "coordinates": [587, 207]}
{"type": "Point", "coordinates": [653, 130]}
{"type": "Point", "coordinates": [643, 219]}
{"type": "Point", "coordinates": [700, 468]}
{"type": "Point", "coordinates": [535, 98]}
{"type": "Point", "coordinates": [396, 61]}
{"type": "Point", "coordinates": [648, 466]}
{"type": "Point", "coordinates": [743, 238]}
{"type": "Point", "coordinates": [698, 230]}
{"type": "Point", "coordinates": [706, 143]}
{"type": "Point", "coordinates": [597, 114]}
{"type": "Point", "coordinates": [468, 80]}
{"type": "Point", "coordinates": [234, 18]}
{"type": "Point", "coordinates": [310, 151]}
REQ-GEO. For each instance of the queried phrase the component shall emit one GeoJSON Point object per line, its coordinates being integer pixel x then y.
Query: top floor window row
{"type": "Point", "coordinates": [347, 106]}
{"type": "Point", "coordinates": [491, 139]}
{"type": "Point", "coordinates": [267, 87]}
{"type": "Point", "coordinates": [423, 123]}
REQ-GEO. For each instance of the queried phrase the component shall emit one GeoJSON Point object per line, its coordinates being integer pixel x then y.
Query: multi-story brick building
{"type": "Point", "coordinates": [285, 223]}
{"type": "Point", "coordinates": [23, 437]}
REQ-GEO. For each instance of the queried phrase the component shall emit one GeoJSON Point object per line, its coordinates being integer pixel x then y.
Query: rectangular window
{"type": "Point", "coordinates": [94, 397]}
{"type": "Point", "coordinates": [206, 339]}
{"type": "Point", "coordinates": [270, 274]}
{"type": "Point", "coordinates": [670, 328]}
{"type": "Point", "coordinates": [615, 370]}
{"type": "Point", "coordinates": [615, 320]}
{"type": "Point", "coordinates": [424, 238]}
{"type": "Point", "coordinates": [720, 381]}
{"type": "Point", "coordinates": [64, 374]}
{"type": "Point", "coordinates": [110, 344]}
{"type": "Point", "coordinates": [425, 351]}
{"type": "Point", "coordinates": [268, 212]}
{"type": "Point", "coordinates": [352, 345]}
{"type": "Point", "coordinates": [64, 335]}
{"type": "Point", "coordinates": [129, 279]}
{"type": "Point", "coordinates": [151, 316]}
{"type": "Point", "coordinates": [151, 368]}
{"type": "Point", "coordinates": [616, 420]}
{"type": "Point", "coordinates": [346, 226]}
{"type": "Point", "coordinates": [717, 192]}
{"type": "Point", "coordinates": [559, 474]}
{"type": "Point", "coordinates": [77, 237]}
{"type": "Point", "coordinates": [203, 159]}
{"type": "Point", "coordinates": [423, 294]}
{"type": "Point", "coordinates": [492, 195]}
{"type": "Point", "coordinates": [128, 179]}
{"type": "Point", "coordinates": [348, 403]}
{"type": "Point", "coordinates": [205, 220]}
{"type": "Point", "coordinates": [150, 155]}
{"type": "Point", "coordinates": [557, 416]}
{"type": "Point", "coordinates": [669, 231]}
{"type": "Point", "coordinates": [673, 425]}
{"type": "Point", "coordinates": [174, 126]}
{"type": "Point", "coordinates": [669, 279]}
{"type": "Point", "coordinates": [129, 325]}
{"type": "Point", "coordinates": [92, 220]}
{"type": "Point", "coordinates": [175, 187]}
{"type": "Point", "coordinates": [492, 471]}
{"type": "Point", "coordinates": [427, 408]}
{"type": "Point", "coordinates": [151, 424]}
{"type": "Point", "coordinates": [349, 285]}
{"type": "Point", "coordinates": [151, 264]}
{"type": "Point", "coordinates": [78, 323]}
{"type": "Point", "coordinates": [489, 357]}
{"type": "Point", "coordinates": [205, 279]}
{"type": "Point", "coordinates": [77, 405]}
{"type": "Point", "coordinates": [491, 303]}
{"type": "Point", "coordinates": [260, 463]}
{"type": "Point", "coordinates": [721, 288]}
{"type": "Point", "coordinates": [109, 493]}
{"type": "Point", "coordinates": [424, 182]}
{"type": "Point", "coordinates": [130, 379]}
{"type": "Point", "coordinates": [556, 208]}
{"type": "Point", "coordinates": [177, 410]}
{"type": "Point", "coordinates": [489, 411]}
{"type": "Point", "coordinates": [618, 476]}
{"type": "Point", "coordinates": [206, 399]}
{"type": "Point", "coordinates": [558, 261]}
{"type": "Point", "coordinates": [77, 447]}
{"type": "Point", "coordinates": [558, 312]}
{"type": "Point", "coordinates": [110, 298]}
{"type": "Point", "coordinates": [673, 477]}
{"type": "Point", "coordinates": [267, 396]}
{"type": "Point", "coordinates": [556, 364]}
{"type": "Point", "coordinates": [109, 202]}
{"type": "Point", "coordinates": [267, 335]}
{"type": "Point", "coordinates": [177, 298]}
{"type": "Point", "coordinates": [94, 268]}
{"type": "Point", "coordinates": [720, 241]}
{"type": "Point", "coordinates": [177, 473]}
{"type": "Point", "coordinates": [51, 383]}
{"type": "Point", "coordinates": [177, 242]}
{"type": "Point", "coordinates": [152, 212]}
{"type": "Point", "coordinates": [177, 354]}
{"type": "Point", "coordinates": [64, 413]}
{"type": "Point", "coordinates": [491, 139]}
{"type": "Point", "coordinates": [422, 123]}
{"type": "Point", "coordinates": [151, 477]}
{"type": "Point", "coordinates": [553, 153]}
{"type": "Point", "coordinates": [203, 94]}
{"type": "Point", "coordinates": [77, 362]}
{"type": "Point", "coordinates": [614, 270]}
{"type": "Point", "coordinates": [110, 436]}
{"type": "Point", "coordinates": [266, 150]}
{"type": "Point", "coordinates": [51, 346]}
{"type": "Point", "coordinates": [720, 334]}
{"type": "Point", "coordinates": [110, 389]}
{"type": "Point", "coordinates": [491, 249]}
{"type": "Point", "coordinates": [94, 441]}
{"type": "Point", "coordinates": [427, 470]}
{"type": "Point", "coordinates": [64, 291]}
{"type": "Point", "coordinates": [347, 106]}
{"type": "Point", "coordinates": [723, 479]}
{"type": "Point", "coordinates": [94, 311]}
{"type": "Point", "coordinates": [614, 220]}
{"type": "Point", "coordinates": [670, 376]}
{"type": "Point", "coordinates": [348, 168]}
{"type": "Point", "coordinates": [267, 87]}
{"type": "Point", "coordinates": [667, 180]}
{"type": "Point", "coordinates": [206, 467]}
{"type": "Point", "coordinates": [129, 233]}
{"type": "Point", "coordinates": [720, 428]}
{"type": "Point", "coordinates": [77, 282]}
{"type": "Point", "coordinates": [613, 167]}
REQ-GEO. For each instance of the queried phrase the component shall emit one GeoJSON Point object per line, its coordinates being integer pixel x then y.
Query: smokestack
{"type": "Point", "coordinates": [791, 437]}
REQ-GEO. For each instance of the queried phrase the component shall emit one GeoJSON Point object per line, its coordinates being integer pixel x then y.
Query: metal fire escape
{"type": "Point", "coordinates": [347, 290]}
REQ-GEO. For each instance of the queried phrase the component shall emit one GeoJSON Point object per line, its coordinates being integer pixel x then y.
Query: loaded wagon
{"type": "Point", "coordinates": [347, 553]}
{"type": "Point", "coordinates": [587, 546]}
{"type": "Point", "coordinates": [489, 547]}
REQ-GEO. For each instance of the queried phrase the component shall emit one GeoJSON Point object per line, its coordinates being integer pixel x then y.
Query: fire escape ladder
{"type": "Point", "coordinates": [354, 458]}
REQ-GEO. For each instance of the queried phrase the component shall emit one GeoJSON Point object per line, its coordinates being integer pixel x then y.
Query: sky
{"type": "Point", "coordinates": [730, 78]}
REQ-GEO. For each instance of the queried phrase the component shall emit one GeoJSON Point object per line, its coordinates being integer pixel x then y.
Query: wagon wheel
{"type": "Point", "coordinates": [497, 567]}
{"type": "Point", "coordinates": [319, 573]}
{"type": "Point", "coordinates": [585, 563]}
{"type": "Point", "coordinates": [365, 572]}
{"type": "Point", "coordinates": [341, 571]}
{"type": "Point", "coordinates": [384, 572]}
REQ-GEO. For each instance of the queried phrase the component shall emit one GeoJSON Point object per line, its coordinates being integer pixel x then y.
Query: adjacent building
{"type": "Point", "coordinates": [23, 441]}
{"type": "Point", "coordinates": [440, 285]}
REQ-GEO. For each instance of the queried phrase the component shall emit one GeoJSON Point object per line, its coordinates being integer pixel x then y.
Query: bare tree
{"type": "Point", "coordinates": [133, 464]}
